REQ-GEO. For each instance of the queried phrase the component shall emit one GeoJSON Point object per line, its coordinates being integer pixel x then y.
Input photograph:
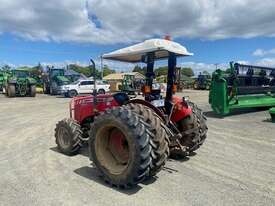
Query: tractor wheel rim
{"type": "Point", "coordinates": [113, 149]}
{"type": "Point", "coordinates": [63, 137]}
{"type": "Point", "coordinates": [118, 146]}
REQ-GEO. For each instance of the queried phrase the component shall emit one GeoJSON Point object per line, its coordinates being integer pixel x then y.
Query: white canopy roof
{"type": "Point", "coordinates": [161, 47]}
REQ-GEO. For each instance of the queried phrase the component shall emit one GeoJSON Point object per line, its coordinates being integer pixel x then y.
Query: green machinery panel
{"type": "Point", "coordinates": [229, 92]}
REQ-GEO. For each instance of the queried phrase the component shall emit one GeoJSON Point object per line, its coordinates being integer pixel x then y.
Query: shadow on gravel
{"type": "Point", "coordinates": [91, 173]}
{"type": "Point", "coordinates": [267, 120]}
{"type": "Point", "coordinates": [83, 151]}
{"type": "Point", "coordinates": [212, 114]}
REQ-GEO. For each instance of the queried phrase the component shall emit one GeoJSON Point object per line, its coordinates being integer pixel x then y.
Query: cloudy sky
{"type": "Point", "coordinates": [66, 31]}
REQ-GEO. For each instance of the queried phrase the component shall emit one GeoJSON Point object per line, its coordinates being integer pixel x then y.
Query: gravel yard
{"type": "Point", "coordinates": [235, 166]}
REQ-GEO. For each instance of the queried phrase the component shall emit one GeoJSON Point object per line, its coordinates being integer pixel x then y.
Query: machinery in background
{"type": "Point", "coordinates": [183, 81]}
{"type": "Point", "coordinates": [2, 80]}
{"type": "Point", "coordinates": [242, 86]}
{"type": "Point", "coordinates": [18, 82]}
{"type": "Point", "coordinates": [128, 85]}
{"type": "Point", "coordinates": [53, 81]}
{"type": "Point", "coordinates": [203, 81]}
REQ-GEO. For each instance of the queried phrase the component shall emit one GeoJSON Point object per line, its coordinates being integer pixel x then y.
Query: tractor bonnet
{"type": "Point", "coordinates": [161, 47]}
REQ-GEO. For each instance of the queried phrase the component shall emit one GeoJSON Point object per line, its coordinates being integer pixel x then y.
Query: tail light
{"type": "Point", "coordinates": [147, 89]}
{"type": "Point", "coordinates": [174, 88]}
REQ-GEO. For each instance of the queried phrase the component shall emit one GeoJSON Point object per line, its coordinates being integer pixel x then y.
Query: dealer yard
{"type": "Point", "coordinates": [235, 166]}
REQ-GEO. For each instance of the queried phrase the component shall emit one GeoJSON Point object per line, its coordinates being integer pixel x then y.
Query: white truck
{"type": "Point", "coordinates": [84, 87]}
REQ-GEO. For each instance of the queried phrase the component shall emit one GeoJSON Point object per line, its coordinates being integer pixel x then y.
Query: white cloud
{"type": "Point", "coordinates": [105, 22]}
{"type": "Point", "coordinates": [261, 52]}
{"type": "Point", "coordinates": [268, 62]}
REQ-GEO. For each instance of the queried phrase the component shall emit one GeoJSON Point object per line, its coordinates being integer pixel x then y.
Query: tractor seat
{"type": "Point", "coordinates": [121, 98]}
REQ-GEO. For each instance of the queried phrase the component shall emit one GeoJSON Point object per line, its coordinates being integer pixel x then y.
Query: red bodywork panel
{"type": "Point", "coordinates": [181, 109]}
{"type": "Point", "coordinates": [83, 107]}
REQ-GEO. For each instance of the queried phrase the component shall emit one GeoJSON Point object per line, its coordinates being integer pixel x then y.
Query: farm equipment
{"type": "Point", "coordinates": [242, 87]}
{"type": "Point", "coordinates": [18, 82]}
{"type": "Point", "coordinates": [1, 80]}
{"type": "Point", "coordinates": [128, 85]}
{"type": "Point", "coordinates": [183, 81]}
{"type": "Point", "coordinates": [53, 80]}
{"type": "Point", "coordinates": [272, 114]}
{"type": "Point", "coordinates": [130, 139]}
{"type": "Point", "coordinates": [203, 81]}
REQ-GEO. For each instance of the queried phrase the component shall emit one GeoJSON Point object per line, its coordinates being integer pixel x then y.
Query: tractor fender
{"type": "Point", "coordinates": [148, 104]}
{"type": "Point", "coordinates": [180, 110]}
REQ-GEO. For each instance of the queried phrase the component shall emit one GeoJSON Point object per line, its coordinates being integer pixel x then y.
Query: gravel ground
{"type": "Point", "coordinates": [235, 166]}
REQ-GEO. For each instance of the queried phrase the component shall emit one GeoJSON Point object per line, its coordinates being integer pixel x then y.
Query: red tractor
{"type": "Point", "coordinates": [130, 139]}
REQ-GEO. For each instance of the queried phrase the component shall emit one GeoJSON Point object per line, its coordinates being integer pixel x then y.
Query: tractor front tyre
{"type": "Point", "coordinates": [194, 131]}
{"type": "Point", "coordinates": [68, 135]}
{"type": "Point", "coordinates": [120, 147]}
{"type": "Point", "coordinates": [11, 90]}
{"type": "Point", "coordinates": [159, 136]}
{"type": "Point", "coordinates": [32, 90]}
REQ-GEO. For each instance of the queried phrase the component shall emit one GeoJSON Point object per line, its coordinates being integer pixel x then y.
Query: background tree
{"type": "Point", "coordinates": [187, 71]}
{"type": "Point", "coordinates": [205, 72]}
{"type": "Point", "coordinates": [6, 68]}
{"type": "Point", "coordinates": [161, 71]}
{"type": "Point", "coordinates": [107, 71]}
{"type": "Point", "coordinates": [139, 69]}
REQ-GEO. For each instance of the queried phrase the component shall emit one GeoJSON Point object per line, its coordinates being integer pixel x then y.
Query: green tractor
{"type": "Point", "coordinates": [18, 82]}
{"type": "Point", "coordinates": [128, 85]}
{"type": "Point", "coordinates": [53, 81]}
{"type": "Point", "coordinates": [202, 82]}
{"type": "Point", "coordinates": [2, 76]}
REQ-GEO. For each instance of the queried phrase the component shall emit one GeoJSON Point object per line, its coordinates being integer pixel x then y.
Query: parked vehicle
{"type": "Point", "coordinates": [130, 140]}
{"type": "Point", "coordinates": [203, 81]}
{"type": "Point", "coordinates": [84, 87]}
{"type": "Point", "coordinates": [53, 81]}
{"type": "Point", "coordinates": [18, 82]}
{"type": "Point", "coordinates": [1, 80]}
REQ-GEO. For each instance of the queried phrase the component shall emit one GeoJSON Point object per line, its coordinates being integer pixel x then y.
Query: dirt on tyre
{"type": "Point", "coordinates": [158, 134]}
{"type": "Point", "coordinates": [120, 147]}
{"type": "Point", "coordinates": [194, 130]}
{"type": "Point", "coordinates": [68, 135]}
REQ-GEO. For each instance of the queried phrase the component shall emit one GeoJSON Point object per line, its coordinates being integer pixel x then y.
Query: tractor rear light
{"type": "Point", "coordinates": [147, 89]}
{"type": "Point", "coordinates": [174, 88]}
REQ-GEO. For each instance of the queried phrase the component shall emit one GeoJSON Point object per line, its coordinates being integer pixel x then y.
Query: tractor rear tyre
{"type": "Point", "coordinates": [159, 136]}
{"type": "Point", "coordinates": [194, 130]}
{"type": "Point", "coordinates": [11, 90]}
{"type": "Point", "coordinates": [120, 147]}
{"type": "Point", "coordinates": [32, 90]}
{"type": "Point", "coordinates": [68, 135]}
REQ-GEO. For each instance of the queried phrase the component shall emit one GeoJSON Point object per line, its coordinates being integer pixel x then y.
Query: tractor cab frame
{"type": "Point", "coordinates": [149, 52]}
